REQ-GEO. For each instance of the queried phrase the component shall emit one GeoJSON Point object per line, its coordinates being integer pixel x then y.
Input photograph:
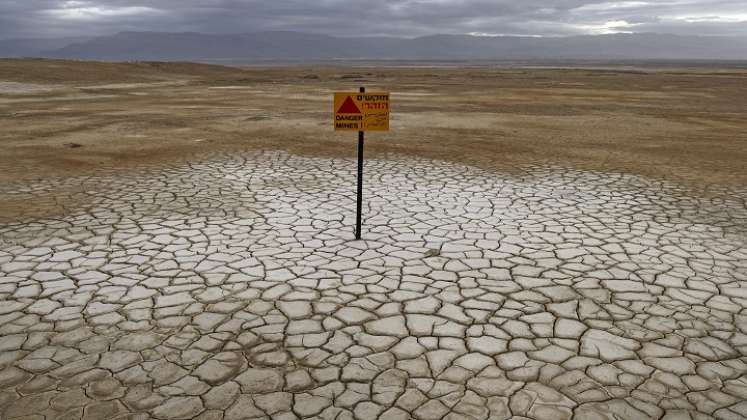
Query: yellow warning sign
{"type": "Point", "coordinates": [367, 111]}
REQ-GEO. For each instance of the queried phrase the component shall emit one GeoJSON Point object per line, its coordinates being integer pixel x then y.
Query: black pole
{"type": "Point", "coordinates": [358, 222]}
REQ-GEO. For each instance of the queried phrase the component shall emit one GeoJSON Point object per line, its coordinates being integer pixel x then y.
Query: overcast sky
{"type": "Point", "coordinates": [410, 18]}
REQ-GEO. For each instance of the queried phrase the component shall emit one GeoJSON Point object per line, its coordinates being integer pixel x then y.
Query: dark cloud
{"type": "Point", "coordinates": [54, 18]}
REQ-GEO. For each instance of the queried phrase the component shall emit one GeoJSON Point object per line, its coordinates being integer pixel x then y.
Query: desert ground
{"type": "Point", "coordinates": [683, 125]}
{"type": "Point", "coordinates": [543, 243]}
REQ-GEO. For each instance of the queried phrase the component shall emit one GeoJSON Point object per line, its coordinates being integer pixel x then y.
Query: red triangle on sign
{"type": "Point", "coordinates": [349, 107]}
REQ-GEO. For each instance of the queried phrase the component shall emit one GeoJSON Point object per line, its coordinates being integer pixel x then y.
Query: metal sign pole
{"type": "Point", "coordinates": [358, 222]}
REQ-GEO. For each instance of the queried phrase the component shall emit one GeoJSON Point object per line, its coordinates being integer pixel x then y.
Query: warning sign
{"type": "Point", "coordinates": [361, 111]}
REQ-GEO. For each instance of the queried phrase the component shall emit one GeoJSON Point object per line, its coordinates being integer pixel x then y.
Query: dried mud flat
{"type": "Point", "coordinates": [194, 258]}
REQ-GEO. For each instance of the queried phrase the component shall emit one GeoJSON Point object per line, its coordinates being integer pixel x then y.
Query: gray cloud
{"type": "Point", "coordinates": [54, 18]}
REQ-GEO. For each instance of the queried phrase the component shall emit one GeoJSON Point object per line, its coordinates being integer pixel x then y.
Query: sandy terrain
{"type": "Point", "coordinates": [537, 244]}
{"type": "Point", "coordinates": [682, 125]}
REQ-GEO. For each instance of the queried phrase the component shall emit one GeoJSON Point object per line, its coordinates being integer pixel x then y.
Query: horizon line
{"type": "Point", "coordinates": [470, 34]}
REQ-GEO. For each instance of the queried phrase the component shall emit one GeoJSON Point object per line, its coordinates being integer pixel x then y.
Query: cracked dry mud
{"type": "Point", "coordinates": [232, 289]}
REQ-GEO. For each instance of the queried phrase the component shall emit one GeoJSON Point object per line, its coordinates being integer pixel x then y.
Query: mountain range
{"type": "Point", "coordinates": [26, 47]}
{"type": "Point", "coordinates": [297, 46]}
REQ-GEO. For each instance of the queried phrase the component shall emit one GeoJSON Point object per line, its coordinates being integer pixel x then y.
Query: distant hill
{"type": "Point", "coordinates": [296, 46]}
{"type": "Point", "coordinates": [35, 47]}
